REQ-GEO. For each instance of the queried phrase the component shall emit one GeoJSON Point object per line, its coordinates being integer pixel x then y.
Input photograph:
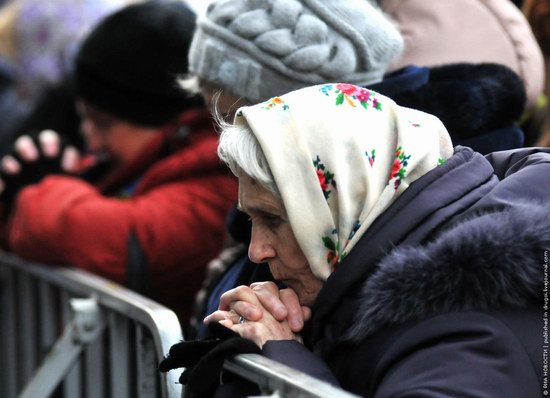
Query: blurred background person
{"type": "Point", "coordinates": [148, 208]}
{"type": "Point", "coordinates": [38, 42]}
{"type": "Point", "coordinates": [538, 14]}
{"type": "Point", "coordinates": [473, 31]}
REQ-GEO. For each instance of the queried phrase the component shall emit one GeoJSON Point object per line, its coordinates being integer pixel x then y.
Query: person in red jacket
{"type": "Point", "coordinates": [150, 211]}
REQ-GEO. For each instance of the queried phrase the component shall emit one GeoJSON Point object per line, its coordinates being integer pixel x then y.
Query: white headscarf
{"type": "Point", "coordinates": [341, 155]}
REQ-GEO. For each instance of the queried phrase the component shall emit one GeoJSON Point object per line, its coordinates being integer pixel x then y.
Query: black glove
{"type": "Point", "coordinates": [31, 172]}
{"type": "Point", "coordinates": [204, 358]}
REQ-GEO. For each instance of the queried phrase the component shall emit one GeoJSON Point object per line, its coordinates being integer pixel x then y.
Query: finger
{"type": "Point", "coordinates": [26, 148]}
{"type": "Point", "coordinates": [263, 331]}
{"type": "Point", "coordinates": [306, 313]}
{"type": "Point", "coordinates": [218, 316]}
{"type": "Point", "coordinates": [246, 310]}
{"type": "Point", "coordinates": [2, 186]}
{"type": "Point", "coordinates": [295, 316]}
{"type": "Point", "coordinates": [241, 293]}
{"type": "Point", "coordinates": [227, 323]}
{"type": "Point", "coordinates": [50, 143]}
{"type": "Point", "coordinates": [10, 165]}
{"type": "Point", "coordinates": [268, 295]}
{"type": "Point", "coordinates": [70, 160]}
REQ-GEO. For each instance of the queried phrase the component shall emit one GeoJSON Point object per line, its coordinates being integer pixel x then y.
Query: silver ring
{"type": "Point", "coordinates": [242, 319]}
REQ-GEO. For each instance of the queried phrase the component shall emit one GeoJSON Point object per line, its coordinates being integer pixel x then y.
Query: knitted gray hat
{"type": "Point", "coordinates": [257, 49]}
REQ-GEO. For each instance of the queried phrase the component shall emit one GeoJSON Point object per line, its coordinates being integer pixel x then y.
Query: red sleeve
{"type": "Point", "coordinates": [64, 220]}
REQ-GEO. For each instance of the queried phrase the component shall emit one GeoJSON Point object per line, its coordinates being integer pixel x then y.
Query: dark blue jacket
{"type": "Point", "coordinates": [442, 297]}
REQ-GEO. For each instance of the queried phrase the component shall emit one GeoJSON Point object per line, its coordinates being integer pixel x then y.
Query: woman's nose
{"type": "Point", "coordinates": [260, 250]}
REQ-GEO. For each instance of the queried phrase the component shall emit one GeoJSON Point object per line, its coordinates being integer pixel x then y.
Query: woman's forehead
{"type": "Point", "coordinates": [255, 198]}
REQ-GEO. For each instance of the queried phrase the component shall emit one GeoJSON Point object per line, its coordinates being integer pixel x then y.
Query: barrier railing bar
{"type": "Point", "coordinates": [71, 384]}
{"type": "Point", "coordinates": [146, 365]}
{"type": "Point", "coordinates": [47, 317]}
{"type": "Point", "coordinates": [8, 335]}
{"type": "Point", "coordinates": [275, 377]}
{"type": "Point", "coordinates": [28, 327]}
{"type": "Point", "coordinates": [119, 370]}
{"type": "Point", "coordinates": [94, 369]}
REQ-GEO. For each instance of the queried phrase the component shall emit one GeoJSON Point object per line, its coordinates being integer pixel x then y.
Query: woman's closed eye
{"type": "Point", "coordinates": [271, 220]}
{"type": "Point", "coordinates": [266, 219]}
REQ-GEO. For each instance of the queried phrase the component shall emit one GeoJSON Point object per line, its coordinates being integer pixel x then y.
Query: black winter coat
{"type": "Point", "coordinates": [443, 296]}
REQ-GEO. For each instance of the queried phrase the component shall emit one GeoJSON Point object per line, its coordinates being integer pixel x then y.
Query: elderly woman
{"type": "Point", "coordinates": [251, 51]}
{"type": "Point", "coordinates": [417, 268]}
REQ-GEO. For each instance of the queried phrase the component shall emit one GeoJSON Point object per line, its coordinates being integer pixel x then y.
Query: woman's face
{"type": "Point", "coordinates": [273, 241]}
{"type": "Point", "coordinates": [105, 133]}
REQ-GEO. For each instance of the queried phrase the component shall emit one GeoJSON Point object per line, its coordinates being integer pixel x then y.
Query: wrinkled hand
{"type": "Point", "coordinates": [270, 313]}
{"type": "Point", "coordinates": [203, 359]}
{"type": "Point", "coordinates": [32, 158]}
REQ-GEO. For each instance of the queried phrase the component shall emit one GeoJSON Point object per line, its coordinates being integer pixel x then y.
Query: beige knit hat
{"type": "Point", "coordinates": [257, 49]}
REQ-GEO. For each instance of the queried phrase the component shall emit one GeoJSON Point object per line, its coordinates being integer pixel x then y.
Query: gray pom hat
{"type": "Point", "coordinates": [258, 49]}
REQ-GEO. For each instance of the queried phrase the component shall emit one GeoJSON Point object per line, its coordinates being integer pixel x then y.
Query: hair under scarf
{"type": "Point", "coordinates": [340, 155]}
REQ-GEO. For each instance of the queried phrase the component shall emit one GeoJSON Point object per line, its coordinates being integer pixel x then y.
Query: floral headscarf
{"type": "Point", "coordinates": [341, 155]}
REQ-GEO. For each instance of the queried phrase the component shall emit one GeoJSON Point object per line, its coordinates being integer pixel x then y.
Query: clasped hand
{"type": "Point", "coordinates": [31, 159]}
{"type": "Point", "coordinates": [270, 313]}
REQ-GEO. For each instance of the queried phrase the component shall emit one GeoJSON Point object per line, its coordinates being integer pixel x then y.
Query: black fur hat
{"type": "Point", "coordinates": [129, 65]}
{"type": "Point", "coordinates": [470, 99]}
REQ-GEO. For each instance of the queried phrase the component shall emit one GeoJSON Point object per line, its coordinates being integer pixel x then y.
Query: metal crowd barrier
{"type": "Point", "coordinates": [69, 334]}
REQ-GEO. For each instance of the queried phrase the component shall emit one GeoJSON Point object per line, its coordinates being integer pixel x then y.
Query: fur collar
{"type": "Point", "coordinates": [485, 262]}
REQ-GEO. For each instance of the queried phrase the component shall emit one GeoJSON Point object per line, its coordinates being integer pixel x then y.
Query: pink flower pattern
{"type": "Point", "coordinates": [352, 95]}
